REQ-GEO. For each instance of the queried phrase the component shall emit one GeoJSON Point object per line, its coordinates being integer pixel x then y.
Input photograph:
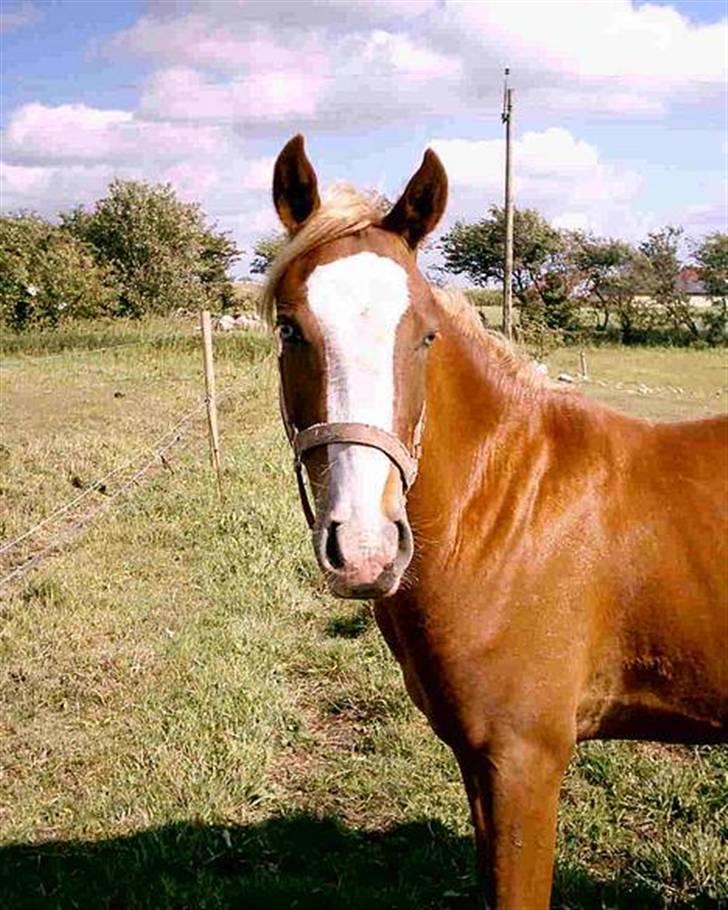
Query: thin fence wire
{"type": "Point", "coordinates": [61, 510]}
{"type": "Point", "coordinates": [86, 519]}
{"type": "Point", "coordinates": [158, 448]}
{"type": "Point", "coordinates": [26, 359]}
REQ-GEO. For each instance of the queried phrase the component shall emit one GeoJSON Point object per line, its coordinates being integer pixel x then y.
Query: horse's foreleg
{"type": "Point", "coordinates": [513, 790]}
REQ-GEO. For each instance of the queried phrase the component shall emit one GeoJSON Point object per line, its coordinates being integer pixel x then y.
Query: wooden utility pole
{"type": "Point", "coordinates": [210, 396]}
{"type": "Point", "coordinates": [507, 118]}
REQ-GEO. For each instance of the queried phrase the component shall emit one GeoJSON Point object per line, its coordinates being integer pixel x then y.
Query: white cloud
{"type": "Point", "coordinates": [612, 38]}
{"type": "Point", "coordinates": [229, 44]}
{"type": "Point", "coordinates": [572, 221]}
{"type": "Point", "coordinates": [68, 132]}
{"type": "Point", "coordinates": [183, 94]}
{"type": "Point", "coordinates": [376, 75]}
{"type": "Point", "coordinates": [48, 189]}
{"type": "Point", "coordinates": [402, 56]}
{"type": "Point", "coordinates": [605, 56]}
{"type": "Point", "coordinates": [221, 29]}
{"type": "Point", "coordinates": [555, 153]}
{"type": "Point", "coordinates": [76, 133]}
{"type": "Point", "coordinates": [18, 182]}
{"type": "Point", "coordinates": [258, 174]}
{"type": "Point", "coordinates": [227, 72]}
{"type": "Point", "coordinates": [556, 173]}
{"type": "Point", "coordinates": [706, 218]}
{"type": "Point", "coordinates": [339, 61]}
{"type": "Point", "coordinates": [552, 155]}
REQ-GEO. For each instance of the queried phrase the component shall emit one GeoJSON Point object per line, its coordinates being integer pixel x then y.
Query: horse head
{"type": "Point", "coordinates": [355, 320]}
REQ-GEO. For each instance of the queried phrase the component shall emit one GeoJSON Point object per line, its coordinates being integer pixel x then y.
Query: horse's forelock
{"type": "Point", "coordinates": [344, 211]}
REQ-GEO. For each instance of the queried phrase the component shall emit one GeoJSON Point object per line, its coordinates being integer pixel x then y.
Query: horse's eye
{"type": "Point", "coordinates": [428, 339]}
{"type": "Point", "coordinates": [289, 333]}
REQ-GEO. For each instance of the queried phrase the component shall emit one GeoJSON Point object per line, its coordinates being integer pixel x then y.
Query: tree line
{"type": "Point", "coordinates": [139, 250]}
{"type": "Point", "coordinates": [575, 282]}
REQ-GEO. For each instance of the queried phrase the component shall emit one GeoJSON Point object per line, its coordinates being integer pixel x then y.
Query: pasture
{"type": "Point", "coordinates": [189, 720]}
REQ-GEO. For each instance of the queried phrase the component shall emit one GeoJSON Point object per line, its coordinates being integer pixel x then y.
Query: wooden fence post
{"type": "Point", "coordinates": [210, 396]}
{"type": "Point", "coordinates": [584, 368]}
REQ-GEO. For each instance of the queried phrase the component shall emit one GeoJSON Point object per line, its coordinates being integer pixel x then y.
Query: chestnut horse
{"type": "Point", "coordinates": [545, 570]}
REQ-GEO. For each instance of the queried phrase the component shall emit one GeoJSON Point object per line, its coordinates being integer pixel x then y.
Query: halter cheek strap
{"type": "Point", "coordinates": [325, 434]}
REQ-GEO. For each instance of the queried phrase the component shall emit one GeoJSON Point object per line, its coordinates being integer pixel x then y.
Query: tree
{"type": "Point", "coordinates": [265, 251]}
{"type": "Point", "coordinates": [47, 275]}
{"type": "Point", "coordinates": [610, 271]}
{"type": "Point", "coordinates": [661, 278]}
{"type": "Point", "coordinates": [543, 277]}
{"type": "Point", "coordinates": [476, 250]}
{"type": "Point", "coordinates": [218, 253]}
{"type": "Point", "coordinates": [160, 248]}
{"type": "Point", "coordinates": [711, 257]}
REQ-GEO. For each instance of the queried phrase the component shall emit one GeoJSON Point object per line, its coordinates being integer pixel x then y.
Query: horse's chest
{"type": "Point", "coordinates": [445, 662]}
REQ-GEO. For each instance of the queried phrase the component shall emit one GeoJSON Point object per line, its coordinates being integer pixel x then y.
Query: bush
{"type": "Point", "coordinates": [484, 297]}
{"type": "Point", "coordinates": [47, 276]}
{"type": "Point", "coordinates": [711, 257]}
{"type": "Point", "coordinates": [247, 297]}
{"type": "Point", "coordinates": [265, 251]}
{"type": "Point", "coordinates": [164, 255]}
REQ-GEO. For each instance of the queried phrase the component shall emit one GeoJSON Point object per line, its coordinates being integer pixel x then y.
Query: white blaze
{"type": "Point", "coordinates": [359, 301]}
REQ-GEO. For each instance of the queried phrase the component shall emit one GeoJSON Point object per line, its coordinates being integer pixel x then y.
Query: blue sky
{"type": "Point", "coordinates": [621, 108]}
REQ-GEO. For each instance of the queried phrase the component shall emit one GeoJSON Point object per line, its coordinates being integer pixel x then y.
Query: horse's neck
{"type": "Point", "coordinates": [481, 396]}
{"type": "Point", "coordinates": [484, 427]}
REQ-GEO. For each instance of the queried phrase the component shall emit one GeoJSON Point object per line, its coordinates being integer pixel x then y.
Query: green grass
{"type": "Point", "coordinates": [187, 719]}
{"type": "Point", "coordinates": [87, 337]}
{"type": "Point", "coordinates": [660, 383]}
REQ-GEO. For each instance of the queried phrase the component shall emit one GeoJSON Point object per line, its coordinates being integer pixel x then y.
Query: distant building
{"type": "Point", "coordinates": [689, 283]}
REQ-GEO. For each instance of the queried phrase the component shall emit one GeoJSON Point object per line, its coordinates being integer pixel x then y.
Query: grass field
{"type": "Point", "coordinates": [187, 720]}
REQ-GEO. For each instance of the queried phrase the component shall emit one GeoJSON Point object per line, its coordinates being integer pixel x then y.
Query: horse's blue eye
{"type": "Point", "coordinates": [289, 333]}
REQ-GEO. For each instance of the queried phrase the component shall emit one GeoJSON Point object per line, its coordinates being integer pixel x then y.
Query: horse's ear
{"type": "Point", "coordinates": [420, 207]}
{"type": "Point", "coordinates": [295, 188]}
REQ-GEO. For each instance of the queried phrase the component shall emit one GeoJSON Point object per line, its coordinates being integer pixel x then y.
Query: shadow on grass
{"type": "Point", "coordinates": [299, 861]}
{"type": "Point", "coordinates": [350, 625]}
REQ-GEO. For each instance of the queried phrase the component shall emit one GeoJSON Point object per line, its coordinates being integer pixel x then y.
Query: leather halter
{"type": "Point", "coordinates": [363, 434]}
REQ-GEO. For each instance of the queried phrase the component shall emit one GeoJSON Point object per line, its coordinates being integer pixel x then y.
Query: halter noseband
{"type": "Point", "coordinates": [363, 434]}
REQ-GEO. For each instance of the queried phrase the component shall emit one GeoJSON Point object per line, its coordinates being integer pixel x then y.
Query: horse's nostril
{"type": "Point", "coordinates": [333, 551]}
{"type": "Point", "coordinates": [405, 545]}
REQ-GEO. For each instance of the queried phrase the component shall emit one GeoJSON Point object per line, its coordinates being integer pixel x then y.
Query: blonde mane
{"type": "Point", "coordinates": [345, 211]}
{"type": "Point", "coordinates": [502, 353]}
